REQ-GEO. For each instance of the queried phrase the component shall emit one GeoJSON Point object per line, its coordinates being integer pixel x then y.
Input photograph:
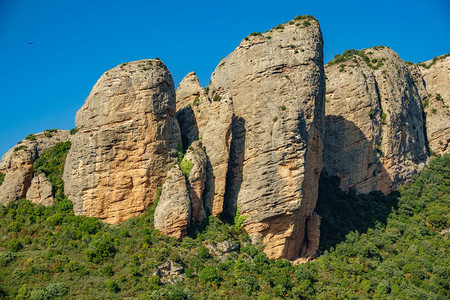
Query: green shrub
{"type": "Point", "coordinates": [217, 98]}
{"type": "Point", "coordinates": [21, 147]}
{"type": "Point", "coordinates": [51, 163]}
{"type": "Point", "coordinates": [186, 167]}
{"type": "Point", "coordinates": [439, 97]}
{"type": "Point", "coordinates": [104, 249]}
{"type": "Point", "coordinates": [255, 34]}
{"type": "Point", "coordinates": [73, 131]}
{"type": "Point", "coordinates": [283, 107]}
{"type": "Point", "coordinates": [112, 286]}
{"type": "Point", "coordinates": [2, 177]}
{"type": "Point", "coordinates": [209, 274]}
{"type": "Point", "coordinates": [203, 252]}
{"type": "Point", "coordinates": [306, 23]}
{"type": "Point", "coordinates": [57, 290]}
{"type": "Point", "coordinates": [6, 258]}
{"type": "Point", "coordinates": [15, 245]}
{"type": "Point", "coordinates": [280, 26]}
{"type": "Point", "coordinates": [31, 137]}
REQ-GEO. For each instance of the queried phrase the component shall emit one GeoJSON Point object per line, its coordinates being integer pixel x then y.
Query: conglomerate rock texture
{"type": "Point", "coordinates": [195, 162]}
{"type": "Point", "coordinates": [17, 164]}
{"type": "Point", "coordinates": [211, 121]}
{"type": "Point", "coordinates": [374, 136]}
{"type": "Point", "coordinates": [40, 191]}
{"type": "Point", "coordinates": [277, 86]}
{"type": "Point", "coordinates": [173, 212]}
{"type": "Point", "coordinates": [436, 79]}
{"type": "Point", "coordinates": [127, 137]}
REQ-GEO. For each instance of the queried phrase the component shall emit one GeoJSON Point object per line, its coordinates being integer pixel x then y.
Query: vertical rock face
{"type": "Point", "coordinates": [436, 77]}
{"type": "Point", "coordinates": [276, 83]}
{"type": "Point", "coordinates": [17, 164]}
{"type": "Point", "coordinates": [211, 121]}
{"type": "Point", "coordinates": [195, 163]}
{"type": "Point", "coordinates": [40, 191]}
{"type": "Point", "coordinates": [374, 137]}
{"type": "Point", "coordinates": [127, 136]}
{"type": "Point", "coordinates": [173, 212]}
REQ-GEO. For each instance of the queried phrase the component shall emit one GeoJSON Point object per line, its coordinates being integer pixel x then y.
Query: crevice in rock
{"type": "Point", "coordinates": [235, 166]}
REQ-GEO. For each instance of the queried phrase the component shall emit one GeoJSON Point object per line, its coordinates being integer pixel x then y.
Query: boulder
{"type": "Point", "coordinates": [127, 137]}
{"type": "Point", "coordinates": [173, 211]}
{"type": "Point", "coordinates": [40, 191]}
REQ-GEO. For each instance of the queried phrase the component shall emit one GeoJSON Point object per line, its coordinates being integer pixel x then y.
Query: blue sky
{"type": "Point", "coordinates": [43, 84]}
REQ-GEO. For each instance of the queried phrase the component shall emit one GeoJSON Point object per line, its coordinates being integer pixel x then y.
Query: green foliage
{"type": "Point", "coordinates": [435, 60]}
{"type": "Point", "coordinates": [217, 98]}
{"type": "Point", "coordinates": [283, 107]}
{"type": "Point", "coordinates": [2, 177]}
{"type": "Point", "coordinates": [255, 34]}
{"type": "Point", "coordinates": [439, 97]}
{"type": "Point", "coordinates": [383, 118]}
{"type": "Point", "coordinates": [280, 26]}
{"type": "Point", "coordinates": [180, 151]}
{"type": "Point", "coordinates": [209, 274]}
{"type": "Point", "coordinates": [186, 167]}
{"type": "Point", "coordinates": [374, 246]}
{"type": "Point", "coordinates": [21, 147]}
{"type": "Point", "coordinates": [48, 132]}
{"type": "Point", "coordinates": [31, 137]}
{"type": "Point", "coordinates": [51, 163]}
{"type": "Point", "coordinates": [73, 131]}
{"type": "Point", "coordinates": [112, 286]}
{"type": "Point", "coordinates": [306, 23]}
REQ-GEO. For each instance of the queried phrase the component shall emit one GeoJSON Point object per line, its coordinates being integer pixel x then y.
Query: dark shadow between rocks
{"type": "Point", "coordinates": [235, 167]}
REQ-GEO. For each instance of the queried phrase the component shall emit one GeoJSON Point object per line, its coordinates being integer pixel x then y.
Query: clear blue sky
{"type": "Point", "coordinates": [42, 85]}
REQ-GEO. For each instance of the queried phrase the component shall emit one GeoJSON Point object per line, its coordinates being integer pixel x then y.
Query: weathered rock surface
{"type": "Point", "coordinates": [127, 136]}
{"type": "Point", "coordinates": [209, 120]}
{"type": "Point", "coordinates": [436, 78]}
{"type": "Point", "coordinates": [374, 137]}
{"type": "Point", "coordinates": [17, 164]}
{"type": "Point", "coordinates": [195, 160]}
{"type": "Point", "coordinates": [277, 87]}
{"type": "Point", "coordinates": [173, 212]}
{"type": "Point", "coordinates": [40, 191]}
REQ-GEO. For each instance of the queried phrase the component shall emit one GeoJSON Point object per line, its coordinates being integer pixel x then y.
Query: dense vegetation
{"type": "Point", "coordinates": [375, 246]}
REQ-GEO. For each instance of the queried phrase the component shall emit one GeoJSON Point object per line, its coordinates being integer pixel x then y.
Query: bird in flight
{"type": "Point", "coordinates": [31, 43]}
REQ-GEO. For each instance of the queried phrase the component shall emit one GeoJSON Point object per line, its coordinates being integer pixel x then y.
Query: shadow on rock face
{"type": "Point", "coordinates": [351, 157]}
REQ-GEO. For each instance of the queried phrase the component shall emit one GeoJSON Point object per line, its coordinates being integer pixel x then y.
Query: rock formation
{"type": "Point", "coordinates": [276, 83]}
{"type": "Point", "coordinates": [210, 121]}
{"type": "Point", "coordinates": [17, 165]}
{"type": "Point", "coordinates": [436, 79]}
{"type": "Point", "coordinates": [374, 136]}
{"type": "Point", "coordinates": [195, 163]}
{"type": "Point", "coordinates": [173, 212]}
{"type": "Point", "coordinates": [40, 191]}
{"type": "Point", "coordinates": [127, 137]}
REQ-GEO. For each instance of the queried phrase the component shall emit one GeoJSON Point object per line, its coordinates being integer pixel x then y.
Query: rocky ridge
{"type": "Point", "coordinates": [375, 137]}
{"type": "Point", "coordinates": [436, 82]}
{"type": "Point", "coordinates": [17, 165]}
{"type": "Point", "coordinates": [250, 143]}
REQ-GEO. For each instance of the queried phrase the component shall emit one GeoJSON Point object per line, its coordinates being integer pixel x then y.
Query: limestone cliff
{"type": "Point", "coordinates": [17, 165]}
{"type": "Point", "coordinates": [436, 79]}
{"type": "Point", "coordinates": [127, 136]}
{"type": "Point", "coordinates": [374, 137]}
{"type": "Point", "coordinates": [209, 120]}
{"type": "Point", "coordinates": [277, 86]}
